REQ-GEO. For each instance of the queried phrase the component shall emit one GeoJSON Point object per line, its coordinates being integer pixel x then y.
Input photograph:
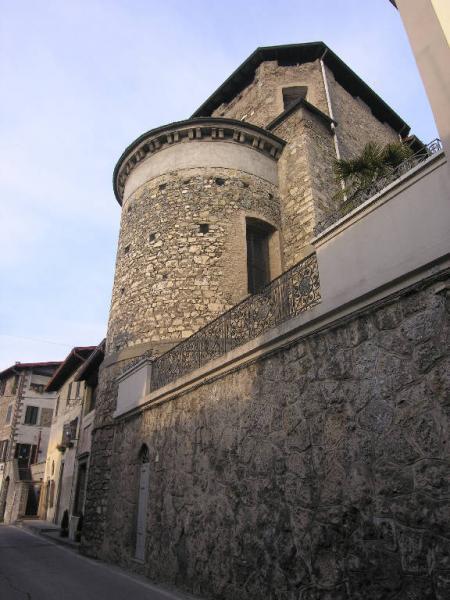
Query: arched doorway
{"type": "Point", "coordinates": [143, 490]}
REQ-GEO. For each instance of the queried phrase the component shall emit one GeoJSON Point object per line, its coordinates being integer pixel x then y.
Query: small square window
{"type": "Point", "coordinates": [162, 186]}
{"type": "Point", "coordinates": [126, 249]}
{"type": "Point", "coordinates": [203, 227]}
{"type": "Point", "coordinates": [219, 181]}
{"type": "Point", "coordinates": [152, 237]}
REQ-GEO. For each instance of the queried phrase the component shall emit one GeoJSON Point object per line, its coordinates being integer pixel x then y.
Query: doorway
{"type": "Point", "coordinates": [143, 492]}
{"type": "Point", "coordinates": [4, 498]}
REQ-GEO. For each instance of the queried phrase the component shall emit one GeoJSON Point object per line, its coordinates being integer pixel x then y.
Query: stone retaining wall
{"type": "Point", "coordinates": [318, 472]}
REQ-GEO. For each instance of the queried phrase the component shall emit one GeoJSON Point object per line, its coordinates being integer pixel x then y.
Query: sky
{"type": "Point", "coordinates": [81, 79]}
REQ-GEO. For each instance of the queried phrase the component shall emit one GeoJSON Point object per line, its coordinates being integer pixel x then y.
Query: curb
{"type": "Point", "coordinates": [46, 532]}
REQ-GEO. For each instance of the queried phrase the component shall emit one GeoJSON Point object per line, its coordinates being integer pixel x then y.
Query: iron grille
{"type": "Point", "coordinates": [293, 292]}
{"type": "Point", "coordinates": [377, 186]}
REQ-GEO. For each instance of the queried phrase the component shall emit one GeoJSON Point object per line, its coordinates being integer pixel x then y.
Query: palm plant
{"type": "Point", "coordinates": [375, 161]}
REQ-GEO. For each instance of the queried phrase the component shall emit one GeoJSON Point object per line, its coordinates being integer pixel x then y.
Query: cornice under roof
{"type": "Point", "coordinates": [144, 144]}
{"type": "Point", "coordinates": [74, 359]}
{"type": "Point", "coordinates": [34, 365]}
{"type": "Point", "coordinates": [302, 53]}
{"type": "Point", "coordinates": [92, 363]}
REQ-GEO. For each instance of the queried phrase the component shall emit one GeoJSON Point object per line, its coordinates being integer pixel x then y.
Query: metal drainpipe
{"type": "Point", "coordinates": [330, 112]}
{"type": "Point", "coordinates": [330, 108]}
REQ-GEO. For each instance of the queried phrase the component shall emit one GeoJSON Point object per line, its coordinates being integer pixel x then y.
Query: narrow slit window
{"type": "Point", "coordinates": [258, 265]}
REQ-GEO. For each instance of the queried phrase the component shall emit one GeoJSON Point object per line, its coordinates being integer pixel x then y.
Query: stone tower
{"type": "Point", "coordinates": [213, 208]}
{"type": "Point", "coordinates": [192, 192]}
{"type": "Point", "coordinates": [188, 191]}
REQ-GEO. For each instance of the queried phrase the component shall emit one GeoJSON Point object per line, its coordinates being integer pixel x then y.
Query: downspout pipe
{"type": "Point", "coordinates": [331, 114]}
{"type": "Point", "coordinates": [329, 105]}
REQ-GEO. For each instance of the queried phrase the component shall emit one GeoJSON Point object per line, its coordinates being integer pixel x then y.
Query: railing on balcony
{"type": "Point", "coordinates": [377, 186]}
{"type": "Point", "coordinates": [289, 295]}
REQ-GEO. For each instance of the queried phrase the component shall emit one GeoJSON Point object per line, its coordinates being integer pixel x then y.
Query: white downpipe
{"type": "Point", "coordinates": [330, 112]}
{"type": "Point", "coordinates": [330, 108]}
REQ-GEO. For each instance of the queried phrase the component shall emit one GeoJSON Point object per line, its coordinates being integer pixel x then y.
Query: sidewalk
{"type": "Point", "coordinates": [48, 530]}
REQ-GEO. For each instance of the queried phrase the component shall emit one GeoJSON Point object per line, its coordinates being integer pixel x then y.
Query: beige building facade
{"type": "Point", "coordinates": [67, 460]}
{"type": "Point", "coordinates": [427, 23]}
{"type": "Point", "coordinates": [26, 411]}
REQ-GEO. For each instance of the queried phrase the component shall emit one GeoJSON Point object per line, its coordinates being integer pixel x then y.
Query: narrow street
{"type": "Point", "coordinates": [32, 568]}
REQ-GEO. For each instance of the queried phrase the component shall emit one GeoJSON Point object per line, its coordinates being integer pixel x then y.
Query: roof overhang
{"type": "Point", "coordinates": [92, 364]}
{"type": "Point", "coordinates": [326, 120]}
{"type": "Point", "coordinates": [53, 365]}
{"type": "Point", "coordinates": [302, 53]}
{"type": "Point", "coordinates": [74, 359]}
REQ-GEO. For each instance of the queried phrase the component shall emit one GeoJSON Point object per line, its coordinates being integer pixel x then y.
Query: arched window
{"type": "Point", "coordinates": [144, 455]}
{"type": "Point", "coordinates": [142, 504]}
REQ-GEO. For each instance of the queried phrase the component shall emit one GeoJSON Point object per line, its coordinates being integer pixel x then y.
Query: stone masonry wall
{"type": "Point", "coordinates": [98, 488]}
{"type": "Point", "coordinates": [171, 279]}
{"type": "Point", "coordinates": [318, 472]}
{"type": "Point", "coordinates": [307, 182]}
{"type": "Point", "coordinates": [262, 100]}
{"type": "Point", "coordinates": [306, 178]}
{"type": "Point", "coordinates": [356, 123]}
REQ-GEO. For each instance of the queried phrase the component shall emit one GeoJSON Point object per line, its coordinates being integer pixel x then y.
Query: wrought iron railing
{"type": "Point", "coordinates": [290, 294]}
{"type": "Point", "coordinates": [377, 186]}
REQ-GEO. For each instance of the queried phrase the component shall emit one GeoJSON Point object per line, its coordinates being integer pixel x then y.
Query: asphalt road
{"type": "Point", "coordinates": [32, 568]}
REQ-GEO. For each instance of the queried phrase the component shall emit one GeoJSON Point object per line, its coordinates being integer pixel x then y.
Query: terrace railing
{"type": "Point", "coordinates": [293, 292]}
{"type": "Point", "coordinates": [377, 186]}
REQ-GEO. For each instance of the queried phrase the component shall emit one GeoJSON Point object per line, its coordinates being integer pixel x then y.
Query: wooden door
{"type": "Point", "coordinates": [141, 526]}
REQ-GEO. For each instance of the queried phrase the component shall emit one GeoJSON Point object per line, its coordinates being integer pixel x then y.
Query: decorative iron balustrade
{"type": "Point", "coordinates": [377, 186]}
{"type": "Point", "coordinates": [290, 294]}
